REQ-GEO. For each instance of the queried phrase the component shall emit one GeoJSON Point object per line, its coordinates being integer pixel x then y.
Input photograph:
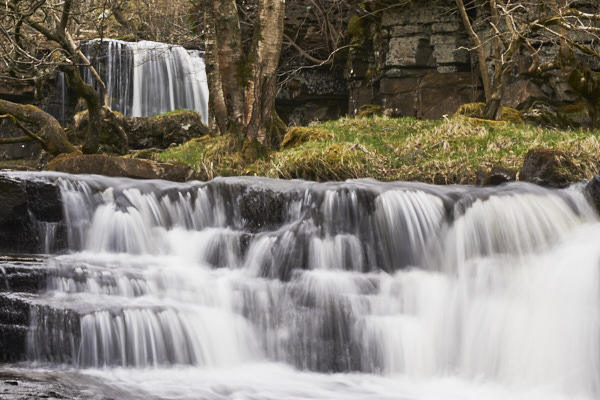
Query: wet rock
{"type": "Point", "coordinates": [500, 175]}
{"type": "Point", "coordinates": [14, 314]}
{"type": "Point", "coordinates": [125, 167]}
{"type": "Point", "coordinates": [548, 167]}
{"type": "Point", "coordinates": [262, 209]}
{"type": "Point", "coordinates": [22, 278]}
{"type": "Point", "coordinates": [592, 191]}
{"type": "Point", "coordinates": [27, 207]}
{"type": "Point", "coordinates": [44, 201]}
{"type": "Point", "coordinates": [495, 176]}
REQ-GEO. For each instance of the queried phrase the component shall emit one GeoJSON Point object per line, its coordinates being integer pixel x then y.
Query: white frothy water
{"type": "Point", "coordinates": [148, 78]}
{"type": "Point", "coordinates": [356, 291]}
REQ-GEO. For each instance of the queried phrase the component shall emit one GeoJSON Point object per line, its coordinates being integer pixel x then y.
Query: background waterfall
{"type": "Point", "coordinates": [260, 289]}
{"type": "Point", "coordinates": [148, 78]}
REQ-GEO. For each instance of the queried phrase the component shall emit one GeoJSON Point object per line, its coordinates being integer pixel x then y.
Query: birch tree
{"type": "Point", "coordinates": [243, 78]}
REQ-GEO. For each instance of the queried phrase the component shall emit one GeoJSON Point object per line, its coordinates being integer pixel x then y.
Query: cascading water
{"type": "Point", "coordinates": [261, 289]}
{"type": "Point", "coordinates": [148, 78]}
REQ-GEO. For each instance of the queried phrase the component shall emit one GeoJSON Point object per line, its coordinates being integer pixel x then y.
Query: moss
{"type": "Point", "coordinates": [471, 110]}
{"type": "Point", "coordinates": [476, 110]}
{"type": "Point", "coordinates": [357, 30]}
{"type": "Point", "coordinates": [60, 158]}
{"type": "Point", "coordinates": [146, 154]}
{"type": "Point", "coordinates": [253, 150]}
{"type": "Point", "coordinates": [178, 111]}
{"type": "Point", "coordinates": [368, 110]}
{"type": "Point", "coordinates": [276, 130]}
{"type": "Point", "coordinates": [298, 135]}
{"type": "Point", "coordinates": [335, 161]}
{"type": "Point", "coordinates": [512, 116]}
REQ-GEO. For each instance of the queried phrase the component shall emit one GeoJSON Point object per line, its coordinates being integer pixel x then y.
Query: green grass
{"type": "Point", "coordinates": [384, 148]}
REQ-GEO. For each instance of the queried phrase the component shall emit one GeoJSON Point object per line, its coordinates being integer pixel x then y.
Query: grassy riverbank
{"type": "Point", "coordinates": [384, 148]}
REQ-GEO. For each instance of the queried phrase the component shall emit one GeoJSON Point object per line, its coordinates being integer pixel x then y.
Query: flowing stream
{"type": "Point", "coordinates": [246, 288]}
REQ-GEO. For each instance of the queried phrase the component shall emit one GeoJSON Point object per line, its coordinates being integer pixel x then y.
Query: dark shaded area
{"type": "Point", "coordinates": [26, 207]}
{"type": "Point", "coordinates": [592, 190]}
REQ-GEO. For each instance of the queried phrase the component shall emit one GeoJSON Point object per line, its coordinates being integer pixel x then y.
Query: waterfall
{"type": "Point", "coordinates": [266, 289]}
{"type": "Point", "coordinates": [148, 78]}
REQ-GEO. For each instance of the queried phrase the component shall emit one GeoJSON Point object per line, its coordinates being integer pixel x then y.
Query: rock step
{"type": "Point", "coordinates": [22, 279]}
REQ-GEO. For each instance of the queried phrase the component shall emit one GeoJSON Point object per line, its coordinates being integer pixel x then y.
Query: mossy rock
{"type": "Point", "coordinates": [543, 114]}
{"type": "Point", "coordinates": [299, 135]}
{"type": "Point", "coordinates": [253, 150]}
{"type": "Point", "coordinates": [161, 131]}
{"type": "Point", "coordinates": [333, 162]}
{"type": "Point", "coordinates": [369, 110]}
{"type": "Point", "coordinates": [512, 116]}
{"type": "Point", "coordinates": [549, 167]}
{"type": "Point", "coordinates": [471, 110]}
{"type": "Point", "coordinates": [475, 111]}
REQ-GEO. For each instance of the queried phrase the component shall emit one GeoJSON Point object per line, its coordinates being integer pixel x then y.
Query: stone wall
{"type": "Point", "coordinates": [426, 72]}
{"type": "Point", "coordinates": [420, 65]}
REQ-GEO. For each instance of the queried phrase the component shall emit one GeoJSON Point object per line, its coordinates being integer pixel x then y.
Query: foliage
{"type": "Point", "coordinates": [386, 149]}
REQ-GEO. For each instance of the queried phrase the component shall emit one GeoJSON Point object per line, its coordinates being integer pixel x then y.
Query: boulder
{"type": "Point", "coordinates": [161, 131]}
{"type": "Point", "coordinates": [495, 176]}
{"type": "Point", "coordinates": [544, 114]}
{"type": "Point", "coordinates": [548, 167]}
{"type": "Point", "coordinates": [164, 130]}
{"type": "Point", "coordinates": [523, 94]}
{"type": "Point", "coordinates": [592, 191]}
{"type": "Point", "coordinates": [116, 166]}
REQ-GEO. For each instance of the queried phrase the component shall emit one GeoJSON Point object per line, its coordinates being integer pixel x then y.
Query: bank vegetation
{"type": "Point", "coordinates": [448, 151]}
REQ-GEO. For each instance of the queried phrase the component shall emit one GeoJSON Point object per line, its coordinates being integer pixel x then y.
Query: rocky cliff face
{"type": "Point", "coordinates": [427, 71]}
{"type": "Point", "coordinates": [423, 68]}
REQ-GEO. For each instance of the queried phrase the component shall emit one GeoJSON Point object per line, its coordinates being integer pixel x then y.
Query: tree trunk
{"type": "Point", "coordinates": [215, 85]}
{"type": "Point", "coordinates": [228, 39]}
{"type": "Point", "coordinates": [493, 107]}
{"type": "Point", "coordinates": [50, 134]}
{"type": "Point", "coordinates": [479, 51]}
{"type": "Point", "coordinates": [243, 85]}
{"type": "Point", "coordinates": [92, 99]}
{"type": "Point", "coordinates": [266, 48]}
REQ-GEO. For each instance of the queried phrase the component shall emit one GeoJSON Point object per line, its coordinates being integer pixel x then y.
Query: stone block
{"type": "Point", "coordinates": [400, 105]}
{"type": "Point", "coordinates": [390, 86]}
{"type": "Point", "coordinates": [446, 49]}
{"type": "Point", "coordinates": [410, 52]}
{"type": "Point", "coordinates": [447, 27]}
{"type": "Point", "coordinates": [408, 30]}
